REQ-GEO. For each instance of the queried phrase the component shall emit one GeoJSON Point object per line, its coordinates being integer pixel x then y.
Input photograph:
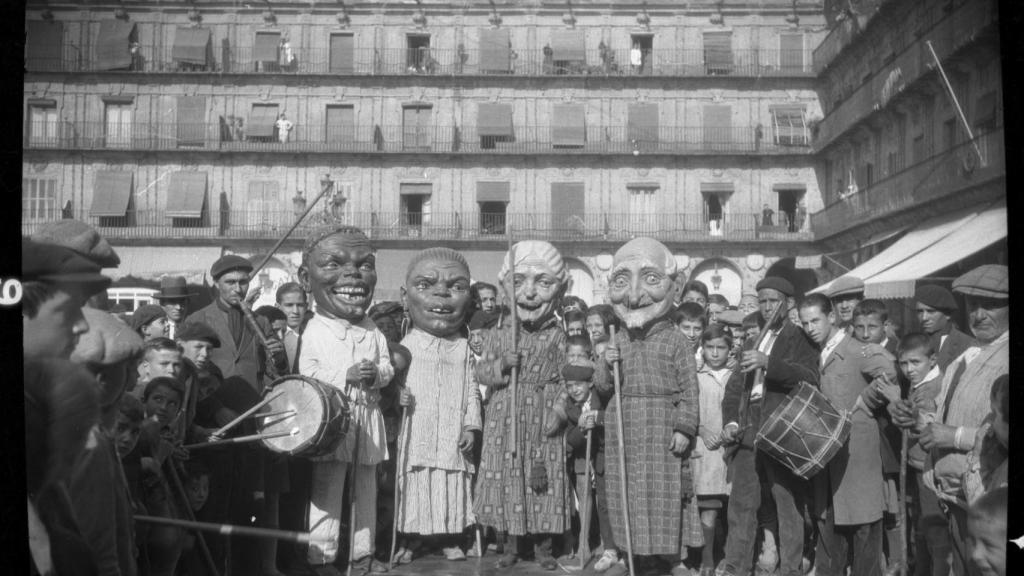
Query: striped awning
{"type": "Point", "coordinates": [186, 195]}
{"type": "Point", "coordinates": [111, 193]}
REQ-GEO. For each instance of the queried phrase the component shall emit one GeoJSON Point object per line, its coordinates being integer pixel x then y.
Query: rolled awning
{"type": "Point", "coordinates": [928, 247]}
{"type": "Point", "coordinates": [191, 45]}
{"type": "Point", "coordinates": [492, 191]}
{"type": "Point", "coordinates": [113, 45]}
{"type": "Point", "coordinates": [568, 125]}
{"type": "Point", "coordinates": [153, 263]}
{"type": "Point", "coordinates": [415, 188]}
{"type": "Point", "coordinates": [568, 45]}
{"type": "Point", "coordinates": [111, 193]}
{"type": "Point", "coordinates": [494, 120]}
{"type": "Point", "coordinates": [186, 195]}
{"type": "Point", "coordinates": [717, 187]}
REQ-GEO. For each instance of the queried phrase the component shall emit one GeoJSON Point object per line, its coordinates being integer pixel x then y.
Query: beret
{"type": "Point", "coordinates": [730, 318]}
{"type": "Point", "coordinates": [109, 340]}
{"type": "Point", "coordinates": [482, 320]}
{"type": "Point", "coordinates": [145, 314]}
{"type": "Point", "coordinates": [577, 373]}
{"type": "Point", "coordinates": [988, 281]}
{"type": "Point", "coordinates": [936, 297]}
{"type": "Point", "coordinates": [776, 283]}
{"type": "Point", "coordinates": [271, 313]}
{"type": "Point", "coordinates": [846, 286]}
{"type": "Point", "coordinates": [79, 237]}
{"type": "Point", "coordinates": [196, 330]}
{"type": "Point", "coordinates": [42, 262]}
{"type": "Point", "coordinates": [228, 263]}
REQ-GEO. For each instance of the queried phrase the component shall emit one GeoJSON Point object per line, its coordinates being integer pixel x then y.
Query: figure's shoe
{"type": "Point", "coordinates": [368, 565]}
{"type": "Point", "coordinates": [607, 560]}
{"type": "Point", "coordinates": [402, 556]}
{"type": "Point", "coordinates": [548, 563]}
{"type": "Point", "coordinates": [506, 561]}
{"type": "Point", "coordinates": [454, 553]}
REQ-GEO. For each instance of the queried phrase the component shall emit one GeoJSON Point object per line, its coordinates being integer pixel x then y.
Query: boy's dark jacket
{"type": "Point", "coordinates": [577, 438]}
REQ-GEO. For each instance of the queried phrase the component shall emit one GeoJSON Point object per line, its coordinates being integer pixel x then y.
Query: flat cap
{"type": "Point", "coordinates": [988, 281]}
{"type": "Point", "coordinates": [730, 318]}
{"type": "Point", "coordinates": [483, 320]}
{"type": "Point", "coordinates": [846, 286]}
{"type": "Point", "coordinates": [109, 340]}
{"type": "Point", "coordinates": [936, 297]}
{"type": "Point", "coordinates": [42, 262]}
{"type": "Point", "coordinates": [145, 314]}
{"type": "Point", "coordinates": [81, 238]}
{"type": "Point", "coordinates": [776, 283]}
{"type": "Point", "coordinates": [228, 263]}
{"type": "Point", "coordinates": [196, 330]}
{"type": "Point", "coordinates": [577, 373]}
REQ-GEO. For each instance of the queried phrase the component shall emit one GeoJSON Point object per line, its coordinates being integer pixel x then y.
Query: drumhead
{"type": "Point", "coordinates": [303, 419]}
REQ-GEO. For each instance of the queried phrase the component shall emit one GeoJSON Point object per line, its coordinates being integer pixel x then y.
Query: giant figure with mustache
{"type": "Point", "coordinates": [659, 405]}
{"type": "Point", "coordinates": [528, 494]}
{"type": "Point", "coordinates": [441, 400]}
{"type": "Point", "coordinates": [343, 348]}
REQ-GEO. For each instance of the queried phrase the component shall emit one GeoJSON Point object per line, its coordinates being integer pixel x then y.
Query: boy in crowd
{"type": "Point", "coordinates": [291, 300]}
{"type": "Point", "coordinates": [691, 321]}
{"type": "Point", "coordinates": [716, 305]}
{"type": "Point", "coordinates": [160, 357]}
{"type": "Point", "coordinates": [485, 297]}
{"type": "Point", "coordinates": [150, 321]}
{"type": "Point", "coordinates": [697, 292]}
{"type": "Point", "coordinates": [575, 323]}
{"type": "Point", "coordinates": [577, 349]}
{"type": "Point", "coordinates": [845, 293]}
{"type": "Point", "coordinates": [986, 527]}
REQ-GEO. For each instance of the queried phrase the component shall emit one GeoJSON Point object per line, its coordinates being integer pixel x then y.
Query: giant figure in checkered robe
{"type": "Point", "coordinates": [659, 405]}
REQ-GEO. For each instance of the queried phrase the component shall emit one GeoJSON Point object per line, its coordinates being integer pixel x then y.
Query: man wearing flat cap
{"type": "Point", "coordinates": [935, 308]}
{"type": "Point", "coordinates": [964, 401]}
{"type": "Point", "coordinates": [173, 297]}
{"type": "Point", "coordinates": [787, 358]}
{"type": "Point", "coordinates": [845, 293]}
{"type": "Point", "coordinates": [56, 283]}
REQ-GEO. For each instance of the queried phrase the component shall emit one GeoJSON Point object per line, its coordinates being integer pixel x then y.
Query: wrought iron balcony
{"type": "Point", "coordinates": [448, 226]}
{"type": "Point", "coordinates": [447, 62]}
{"type": "Point", "coordinates": [222, 137]}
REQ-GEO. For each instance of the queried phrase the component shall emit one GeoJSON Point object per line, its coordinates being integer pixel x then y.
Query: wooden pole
{"type": "Point", "coordinates": [514, 377]}
{"type": "Point", "coordinates": [398, 473]}
{"type": "Point", "coordinates": [327, 188]}
{"type": "Point", "coordinates": [904, 443]}
{"type": "Point", "coordinates": [622, 458]}
{"type": "Point", "coordinates": [183, 498]}
{"type": "Point", "coordinates": [585, 506]}
{"type": "Point", "coordinates": [352, 485]}
{"type": "Point", "coordinates": [228, 529]}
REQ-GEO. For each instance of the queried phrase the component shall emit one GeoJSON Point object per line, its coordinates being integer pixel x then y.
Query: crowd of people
{"type": "Point", "coordinates": [507, 420]}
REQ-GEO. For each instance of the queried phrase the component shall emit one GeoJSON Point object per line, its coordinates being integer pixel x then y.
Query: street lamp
{"type": "Point", "coordinates": [716, 278]}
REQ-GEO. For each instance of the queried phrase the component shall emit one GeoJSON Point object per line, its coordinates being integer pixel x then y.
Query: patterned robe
{"type": "Point", "coordinates": [504, 499]}
{"type": "Point", "coordinates": [435, 479]}
{"type": "Point", "coordinates": [660, 395]}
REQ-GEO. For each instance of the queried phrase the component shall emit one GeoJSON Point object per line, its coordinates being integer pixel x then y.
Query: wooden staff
{"type": "Point", "coordinates": [271, 367]}
{"type": "Point", "coordinates": [223, 429]}
{"type": "Point", "coordinates": [183, 498]}
{"type": "Point", "coordinates": [352, 484]}
{"type": "Point", "coordinates": [228, 529]}
{"type": "Point", "coordinates": [585, 507]}
{"type": "Point", "coordinates": [514, 376]}
{"type": "Point", "coordinates": [904, 443]}
{"type": "Point", "coordinates": [398, 472]}
{"type": "Point", "coordinates": [327, 188]}
{"type": "Point", "coordinates": [622, 457]}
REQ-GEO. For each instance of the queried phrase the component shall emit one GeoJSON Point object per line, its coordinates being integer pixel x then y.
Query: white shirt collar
{"type": "Point", "coordinates": [931, 375]}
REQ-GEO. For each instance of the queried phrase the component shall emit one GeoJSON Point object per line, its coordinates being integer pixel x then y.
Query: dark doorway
{"type": "Point", "coordinates": [641, 54]}
{"type": "Point", "coordinates": [788, 202]}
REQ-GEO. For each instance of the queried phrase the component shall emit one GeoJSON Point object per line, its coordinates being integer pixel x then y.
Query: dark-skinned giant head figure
{"type": "Point", "coordinates": [436, 291]}
{"type": "Point", "coordinates": [641, 286]}
{"type": "Point", "coordinates": [339, 269]}
{"type": "Point", "coordinates": [540, 277]}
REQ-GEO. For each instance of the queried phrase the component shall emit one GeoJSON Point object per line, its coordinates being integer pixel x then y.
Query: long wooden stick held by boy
{"type": "Point", "coordinates": [183, 498]}
{"type": "Point", "coordinates": [353, 466]}
{"type": "Point", "coordinates": [398, 474]}
{"type": "Point", "coordinates": [585, 506]}
{"type": "Point", "coordinates": [622, 456]}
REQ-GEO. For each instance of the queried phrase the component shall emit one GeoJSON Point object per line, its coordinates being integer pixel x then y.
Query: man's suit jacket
{"type": "Point", "coordinates": [956, 344]}
{"type": "Point", "coordinates": [794, 359]}
{"type": "Point", "coordinates": [246, 360]}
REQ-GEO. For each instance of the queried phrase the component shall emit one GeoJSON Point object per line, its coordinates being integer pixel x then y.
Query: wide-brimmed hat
{"type": "Point", "coordinates": [173, 287]}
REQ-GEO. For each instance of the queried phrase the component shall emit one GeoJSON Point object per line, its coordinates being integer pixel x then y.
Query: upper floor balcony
{"type": "Point", "coordinates": [934, 178]}
{"type": "Point", "coordinates": [271, 224]}
{"type": "Point", "coordinates": [428, 61]}
{"type": "Point", "coordinates": [419, 138]}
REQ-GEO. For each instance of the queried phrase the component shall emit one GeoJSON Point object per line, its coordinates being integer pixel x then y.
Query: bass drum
{"type": "Point", "coordinates": [804, 432]}
{"type": "Point", "coordinates": [308, 417]}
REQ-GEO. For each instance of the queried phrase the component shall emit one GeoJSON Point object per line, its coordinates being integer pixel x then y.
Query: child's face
{"type": "Point", "coordinates": [986, 542]}
{"type": "Point", "coordinates": [198, 490]}
{"type": "Point", "coordinates": [595, 326]}
{"type": "Point", "coordinates": [691, 329]}
{"type": "Point", "coordinates": [574, 328]}
{"type": "Point", "coordinates": [578, 390]}
{"type": "Point", "coordinates": [160, 363]}
{"type": "Point", "coordinates": [126, 435]}
{"type": "Point", "coordinates": [752, 331]}
{"type": "Point", "coordinates": [694, 296]}
{"type": "Point", "coordinates": [155, 329]}
{"type": "Point", "coordinates": [1000, 426]}
{"type": "Point", "coordinates": [163, 403]}
{"type": "Point", "coordinates": [713, 311]}
{"type": "Point", "coordinates": [716, 352]}
{"type": "Point", "coordinates": [577, 354]}
{"type": "Point", "coordinates": [915, 364]}
{"type": "Point", "coordinates": [869, 328]}
{"type": "Point", "coordinates": [198, 351]}
{"type": "Point", "coordinates": [476, 341]}
{"type": "Point", "coordinates": [738, 334]}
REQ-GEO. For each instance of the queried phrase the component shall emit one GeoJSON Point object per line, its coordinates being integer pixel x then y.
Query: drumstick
{"type": "Point", "coordinates": [229, 529]}
{"type": "Point", "coordinates": [242, 439]}
{"type": "Point", "coordinates": [622, 457]}
{"type": "Point", "coordinates": [269, 414]}
{"type": "Point", "coordinates": [246, 414]}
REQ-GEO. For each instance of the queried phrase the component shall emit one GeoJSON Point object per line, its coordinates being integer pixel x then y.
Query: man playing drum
{"type": "Point", "coordinates": [341, 347]}
{"type": "Point", "coordinates": [787, 358]}
{"type": "Point", "coordinates": [849, 491]}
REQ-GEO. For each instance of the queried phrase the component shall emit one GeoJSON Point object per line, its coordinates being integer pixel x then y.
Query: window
{"type": "Point", "coordinates": [568, 125]}
{"type": "Point", "coordinates": [118, 124]}
{"type": "Point", "coordinates": [262, 123]}
{"type": "Point", "coordinates": [418, 58]}
{"type": "Point", "coordinates": [791, 53]}
{"type": "Point", "coordinates": [131, 298]}
{"type": "Point", "coordinates": [266, 52]}
{"type": "Point", "coordinates": [917, 149]}
{"type": "Point", "coordinates": [340, 125]}
{"type": "Point", "coordinates": [641, 54]}
{"type": "Point", "coordinates": [192, 51]}
{"type": "Point", "coordinates": [39, 199]}
{"type": "Point", "coordinates": [642, 125]}
{"type": "Point", "coordinates": [113, 50]}
{"type": "Point", "coordinates": [191, 120]}
{"type": "Point", "coordinates": [717, 127]}
{"type": "Point", "coordinates": [263, 206]}
{"type": "Point", "coordinates": [642, 208]}
{"type": "Point", "coordinates": [568, 202]}
{"type": "Point", "coordinates": [494, 124]}
{"type": "Point", "coordinates": [715, 195]}
{"type": "Point", "coordinates": [985, 114]}
{"type": "Point", "coordinates": [568, 53]}
{"type": "Point", "coordinates": [186, 199]}
{"type": "Point", "coordinates": [789, 200]}
{"type": "Point", "coordinates": [718, 53]}
{"type": "Point", "coordinates": [495, 51]}
{"type": "Point", "coordinates": [44, 45]}
{"type": "Point", "coordinates": [42, 124]}
{"type": "Point", "coordinates": [342, 55]}
{"type": "Point", "coordinates": [415, 208]}
{"type": "Point", "coordinates": [788, 127]}
{"type": "Point", "coordinates": [493, 198]}
{"type": "Point", "coordinates": [416, 127]}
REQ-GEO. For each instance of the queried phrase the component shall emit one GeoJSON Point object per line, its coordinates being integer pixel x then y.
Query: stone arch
{"type": "Point", "coordinates": [727, 275]}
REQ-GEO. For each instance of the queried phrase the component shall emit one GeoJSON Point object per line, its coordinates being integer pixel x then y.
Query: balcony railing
{"type": "Point", "coordinates": [139, 136]}
{"type": "Point", "coordinates": [450, 62]}
{"type": "Point", "coordinates": [453, 226]}
{"type": "Point", "coordinates": [941, 175]}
